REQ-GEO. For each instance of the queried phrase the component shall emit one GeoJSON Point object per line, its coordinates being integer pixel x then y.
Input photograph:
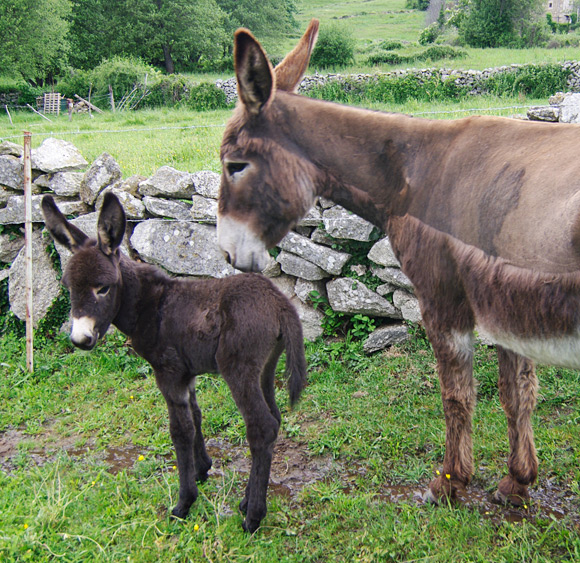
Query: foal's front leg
{"type": "Point", "coordinates": [454, 353]}
{"type": "Point", "coordinates": [182, 430]}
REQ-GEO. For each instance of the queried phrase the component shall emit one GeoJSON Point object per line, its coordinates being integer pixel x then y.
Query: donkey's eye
{"type": "Point", "coordinates": [102, 291]}
{"type": "Point", "coordinates": [235, 167]}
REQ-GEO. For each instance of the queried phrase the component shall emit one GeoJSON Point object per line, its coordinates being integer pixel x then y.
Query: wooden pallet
{"type": "Point", "coordinates": [51, 103]}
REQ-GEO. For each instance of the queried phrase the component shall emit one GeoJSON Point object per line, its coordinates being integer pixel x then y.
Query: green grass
{"type": "Point", "coordinates": [142, 140]}
{"type": "Point", "coordinates": [376, 420]}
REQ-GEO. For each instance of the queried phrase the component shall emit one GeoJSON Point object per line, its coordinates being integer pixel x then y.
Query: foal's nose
{"type": "Point", "coordinates": [83, 333]}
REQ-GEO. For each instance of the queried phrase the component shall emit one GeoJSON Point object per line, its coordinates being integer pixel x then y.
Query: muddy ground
{"type": "Point", "coordinates": [292, 470]}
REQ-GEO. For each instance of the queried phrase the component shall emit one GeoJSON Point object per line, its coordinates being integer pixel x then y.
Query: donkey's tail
{"type": "Point", "coordinates": [295, 359]}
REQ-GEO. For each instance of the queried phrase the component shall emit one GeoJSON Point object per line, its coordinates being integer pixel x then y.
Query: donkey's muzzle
{"type": "Point", "coordinates": [83, 333]}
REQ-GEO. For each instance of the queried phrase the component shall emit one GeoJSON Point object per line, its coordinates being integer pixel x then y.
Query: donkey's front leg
{"type": "Point", "coordinates": [182, 430]}
{"type": "Point", "coordinates": [454, 352]}
{"type": "Point", "coordinates": [518, 387]}
{"type": "Point", "coordinates": [261, 432]}
{"type": "Point", "coordinates": [201, 458]}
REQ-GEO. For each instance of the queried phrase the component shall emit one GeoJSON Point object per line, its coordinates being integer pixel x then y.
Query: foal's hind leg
{"type": "Point", "coordinates": [268, 377]}
{"type": "Point", "coordinates": [261, 432]}
{"type": "Point", "coordinates": [454, 353]}
{"type": "Point", "coordinates": [518, 387]}
{"type": "Point", "coordinates": [201, 458]}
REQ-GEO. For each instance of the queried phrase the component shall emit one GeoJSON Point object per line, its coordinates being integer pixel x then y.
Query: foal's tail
{"type": "Point", "coordinates": [295, 359]}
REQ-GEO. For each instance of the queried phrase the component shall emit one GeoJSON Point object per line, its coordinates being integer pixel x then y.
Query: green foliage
{"type": "Point", "coordinates": [334, 48]}
{"type": "Point", "coordinates": [429, 34]}
{"type": "Point", "coordinates": [417, 4]}
{"type": "Point", "coordinates": [33, 36]}
{"type": "Point", "coordinates": [433, 53]}
{"type": "Point", "coordinates": [167, 91]}
{"type": "Point", "coordinates": [206, 96]}
{"type": "Point", "coordinates": [75, 81]}
{"type": "Point", "coordinates": [390, 45]}
{"type": "Point", "coordinates": [539, 81]}
{"type": "Point", "coordinates": [122, 74]}
{"type": "Point", "coordinates": [25, 93]}
{"type": "Point", "coordinates": [333, 322]}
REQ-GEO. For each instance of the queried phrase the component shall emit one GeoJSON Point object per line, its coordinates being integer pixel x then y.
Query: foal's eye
{"type": "Point", "coordinates": [102, 291]}
{"type": "Point", "coordinates": [235, 167]}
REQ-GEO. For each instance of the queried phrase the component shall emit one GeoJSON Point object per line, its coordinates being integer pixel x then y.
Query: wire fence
{"type": "Point", "coordinates": [222, 125]}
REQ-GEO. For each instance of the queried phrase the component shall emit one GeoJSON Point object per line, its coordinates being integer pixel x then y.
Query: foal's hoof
{"type": "Point", "coordinates": [509, 491]}
{"type": "Point", "coordinates": [179, 513]}
{"type": "Point", "coordinates": [250, 525]}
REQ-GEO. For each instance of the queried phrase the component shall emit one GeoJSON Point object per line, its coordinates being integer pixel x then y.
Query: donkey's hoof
{"type": "Point", "coordinates": [250, 525]}
{"type": "Point", "coordinates": [180, 512]}
{"type": "Point", "coordinates": [509, 491]}
{"type": "Point", "coordinates": [441, 488]}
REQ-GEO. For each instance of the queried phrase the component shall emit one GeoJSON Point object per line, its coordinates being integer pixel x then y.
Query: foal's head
{"type": "Point", "coordinates": [267, 184]}
{"type": "Point", "coordinates": [92, 275]}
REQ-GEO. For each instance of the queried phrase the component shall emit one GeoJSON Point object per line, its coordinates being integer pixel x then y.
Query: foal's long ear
{"type": "Point", "coordinates": [111, 224]}
{"type": "Point", "coordinates": [253, 71]}
{"type": "Point", "coordinates": [59, 228]}
{"type": "Point", "coordinates": [290, 72]}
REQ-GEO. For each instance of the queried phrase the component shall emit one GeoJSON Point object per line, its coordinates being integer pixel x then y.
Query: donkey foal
{"type": "Point", "coordinates": [237, 326]}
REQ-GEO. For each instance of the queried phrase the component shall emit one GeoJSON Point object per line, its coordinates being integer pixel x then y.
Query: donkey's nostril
{"type": "Point", "coordinates": [227, 256]}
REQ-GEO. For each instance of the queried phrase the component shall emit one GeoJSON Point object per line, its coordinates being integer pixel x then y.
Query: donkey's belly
{"type": "Point", "coordinates": [556, 350]}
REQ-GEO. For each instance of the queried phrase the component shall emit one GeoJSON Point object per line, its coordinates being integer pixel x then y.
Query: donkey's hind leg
{"type": "Point", "coordinates": [261, 432]}
{"type": "Point", "coordinates": [201, 458]}
{"type": "Point", "coordinates": [268, 377]}
{"type": "Point", "coordinates": [518, 387]}
{"type": "Point", "coordinates": [454, 353]}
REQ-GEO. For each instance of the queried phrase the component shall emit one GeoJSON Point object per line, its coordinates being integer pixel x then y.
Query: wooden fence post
{"type": "Point", "coordinates": [28, 252]}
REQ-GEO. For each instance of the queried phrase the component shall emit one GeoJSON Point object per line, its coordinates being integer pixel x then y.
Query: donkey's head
{"type": "Point", "coordinates": [267, 184]}
{"type": "Point", "coordinates": [92, 275]}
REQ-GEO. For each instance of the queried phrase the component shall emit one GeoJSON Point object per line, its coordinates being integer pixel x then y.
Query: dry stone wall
{"type": "Point", "coordinates": [171, 223]}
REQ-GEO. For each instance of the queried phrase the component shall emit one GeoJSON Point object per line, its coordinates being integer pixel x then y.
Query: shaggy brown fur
{"type": "Point", "coordinates": [237, 326]}
{"type": "Point", "coordinates": [483, 213]}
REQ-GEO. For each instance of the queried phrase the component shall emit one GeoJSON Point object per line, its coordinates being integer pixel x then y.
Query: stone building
{"type": "Point", "coordinates": [561, 10]}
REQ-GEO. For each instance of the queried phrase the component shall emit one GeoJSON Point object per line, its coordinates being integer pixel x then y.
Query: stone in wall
{"type": "Point", "coordinates": [46, 286]}
{"type": "Point", "coordinates": [11, 172]}
{"type": "Point", "coordinates": [103, 172]}
{"type": "Point", "coordinates": [347, 295]}
{"type": "Point", "coordinates": [168, 182]}
{"type": "Point", "coordinates": [204, 210]}
{"type": "Point", "coordinates": [10, 148]}
{"type": "Point", "coordinates": [66, 184]}
{"type": "Point", "coordinates": [293, 265]}
{"type": "Point", "coordinates": [408, 304]}
{"type": "Point", "coordinates": [182, 247]}
{"type": "Point", "coordinates": [385, 336]}
{"type": "Point", "coordinates": [382, 254]}
{"type": "Point", "coordinates": [206, 183]}
{"type": "Point", "coordinates": [393, 276]}
{"type": "Point", "coordinates": [570, 109]}
{"type": "Point", "coordinates": [10, 245]}
{"type": "Point", "coordinates": [329, 260]}
{"type": "Point", "coordinates": [134, 208]}
{"type": "Point", "coordinates": [56, 155]}
{"type": "Point", "coordinates": [171, 208]}
{"type": "Point", "coordinates": [13, 212]}
{"type": "Point", "coordinates": [342, 224]}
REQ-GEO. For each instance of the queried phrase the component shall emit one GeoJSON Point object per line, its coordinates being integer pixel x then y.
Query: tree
{"type": "Point", "coordinates": [33, 35]}
{"type": "Point", "coordinates": [494, 23]}
{"type": "Point", "coordinates": [266, 19]}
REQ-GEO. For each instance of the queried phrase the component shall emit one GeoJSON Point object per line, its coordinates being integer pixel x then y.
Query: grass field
{"type": "Point", "coordinates": [87, 469]}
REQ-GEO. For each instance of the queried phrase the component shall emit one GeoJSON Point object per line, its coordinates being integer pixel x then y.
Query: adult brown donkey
{"type": "Point", "coordinates": [237, 326]}
{"type": "Point", "coordinates": [483, 214]}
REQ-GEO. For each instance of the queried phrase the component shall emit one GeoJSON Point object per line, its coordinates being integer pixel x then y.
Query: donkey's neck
{"type": "Point", "coordinates": [141, 296]}
{"type": "Point", "coordinates": [366, 159]}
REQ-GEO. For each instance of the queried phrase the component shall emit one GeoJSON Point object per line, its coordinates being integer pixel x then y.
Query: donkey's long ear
{"type": "Point", "coordinates": [290, 72]}
{"type": "Point", "coordinates": [253, 71]}
{"type": "Point", "coordinates": [59, 228]}
{"type": "Point", "coordinates": [111, 224]}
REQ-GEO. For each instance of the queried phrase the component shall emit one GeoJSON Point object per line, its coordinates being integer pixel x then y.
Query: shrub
{"type": "Point", "coordinates": [75, 82]}
{"type": "Point", "coordinates": [122, 74]}
{"type": "Point", "coordinates": [167, 91]}
{"type": "Point", "coordinates": [206, 96]}
{"type": "Point", "coordinates": [429, 34]}
{"type": "Point", "coordinates": [537, 81]}
{"type": "Point", "coordinates": [334, 49]}
{"type": "Point", "coordinates": [417, 4]}
{"type": "Point", "coordinates": [17, 88]}
{"type": "Point", "coordinates": [386, 58]}
{"type": "Point", "coordinates": [438, 52]}
{"type": "Point", "coordinates": [391, 45]}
